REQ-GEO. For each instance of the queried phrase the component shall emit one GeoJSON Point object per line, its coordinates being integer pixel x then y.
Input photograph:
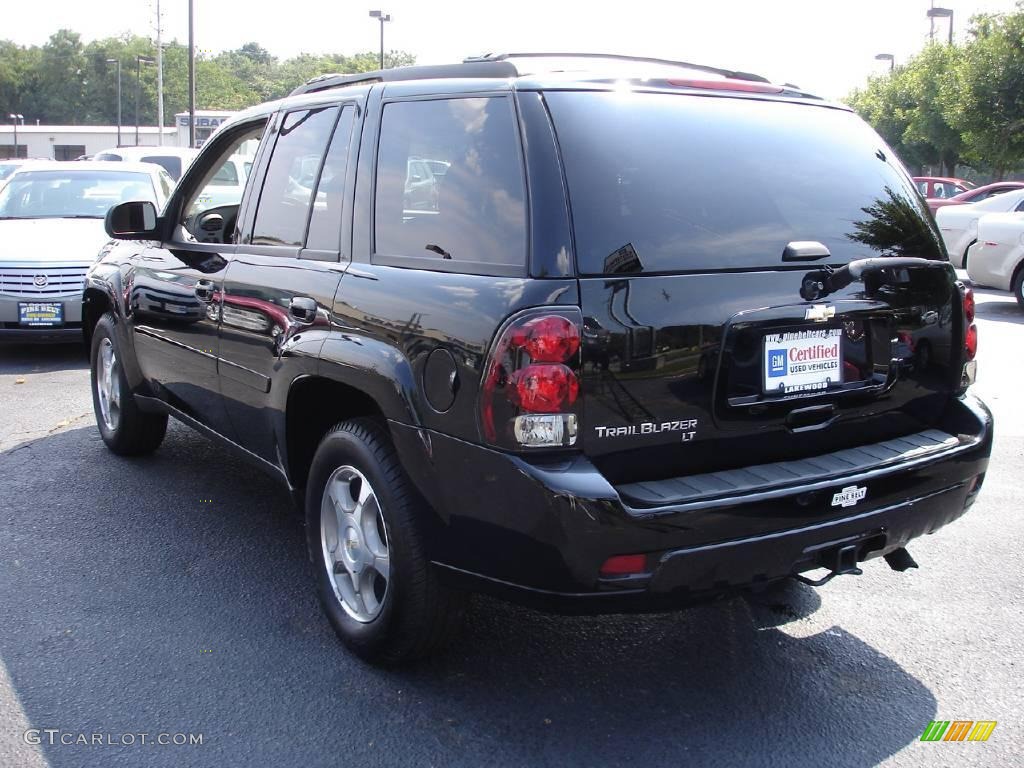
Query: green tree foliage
{"type": "Point", "coordinates": [956, 104]}
{"type": "Point", "coordinates": [66, 82]}
{"type": "Point", "coordinates": [985, 98]}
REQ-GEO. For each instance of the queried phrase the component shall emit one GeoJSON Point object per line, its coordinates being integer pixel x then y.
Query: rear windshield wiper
{"type": "Point", "coordinates": [821, 282]}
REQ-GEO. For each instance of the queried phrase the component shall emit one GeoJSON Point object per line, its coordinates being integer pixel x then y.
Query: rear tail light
{"type": "Point", "coordinates": [529, 396]}
{"type": "Point", "coordinates": [970, 370]}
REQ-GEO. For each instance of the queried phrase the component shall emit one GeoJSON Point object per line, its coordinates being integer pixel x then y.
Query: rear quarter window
{"type": "Point", "coordinates": [669, 183]}
{"type": "Point", "coordinates": [470, 217]}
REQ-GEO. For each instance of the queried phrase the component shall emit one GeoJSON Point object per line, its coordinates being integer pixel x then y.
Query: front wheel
{"type": "Point", "coordinates": [125, 429]}
{"type": "Point", "coordinates": [1018, 287]}
{"type": "Point", "coordinates": [364, 532]}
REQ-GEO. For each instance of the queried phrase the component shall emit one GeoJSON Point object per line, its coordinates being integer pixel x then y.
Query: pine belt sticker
{"type": "Point", "coordinates": [849, 496]}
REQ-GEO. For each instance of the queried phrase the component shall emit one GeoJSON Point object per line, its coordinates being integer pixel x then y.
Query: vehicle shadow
{"type": "Point", "coordinates": [42, 358]}
{"type": "Point", "coordinates": [1007, 310]}
{"type": "Point", "coordinates": [172, 594]}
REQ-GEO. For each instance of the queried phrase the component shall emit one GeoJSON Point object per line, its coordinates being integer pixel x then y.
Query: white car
{"type": "Point", "coordinates": [997, 259]}
{"type": "Point", "coordinates": [174, 160]}
{"type": "Point", "coordinates": [958, 224]}
{"type": "Point", "coordinates": [51, 230]}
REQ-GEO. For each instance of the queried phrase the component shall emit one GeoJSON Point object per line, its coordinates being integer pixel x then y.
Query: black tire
{"type": "Point", "coordinates": [1018, 286]}
{"type": "Point", "coordinates": [417, 615]}
{"type": "Point", "coordinates": [134, 432]}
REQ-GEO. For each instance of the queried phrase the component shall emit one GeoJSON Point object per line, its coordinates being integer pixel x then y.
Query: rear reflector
{"type": "Point", "coordinates": [622, 565]}
{"type": "Point", "coordinates": [971, 342]}
{"type": "Point", "coordinates": [729, 85]}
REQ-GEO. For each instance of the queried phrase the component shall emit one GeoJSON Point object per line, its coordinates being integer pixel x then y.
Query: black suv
{"type": "Point", "coordinates": [594, 333]}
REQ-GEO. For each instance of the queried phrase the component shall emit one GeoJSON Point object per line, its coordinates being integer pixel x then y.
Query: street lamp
{"type": "Point", "coordinates": [942, 13]}
{"type": "Point", "coordinates": [887, 57]}
{"type": "Point", "coordinates": [118, 62]}
{"type": "Point", "coordinates": [16, 118]}
{"type": "Point", "coordinates": [382, 17]}
{"type": "Point", "coordinates": [139, 59]}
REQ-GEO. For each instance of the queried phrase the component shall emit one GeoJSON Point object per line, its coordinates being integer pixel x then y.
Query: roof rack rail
{"type": "Point", "coordinates": [507, 57]}
{"type": "Point", "coordinates": [496, 65]}
{"type": "Point", "coordinates": [480, 69]}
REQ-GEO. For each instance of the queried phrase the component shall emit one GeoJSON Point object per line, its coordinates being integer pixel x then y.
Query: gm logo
{"type": "Point", "coordinates": [776, 363]}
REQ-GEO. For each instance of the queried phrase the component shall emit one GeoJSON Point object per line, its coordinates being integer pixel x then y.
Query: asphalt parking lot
{"type": "Point", "coordinates": [170, 595]}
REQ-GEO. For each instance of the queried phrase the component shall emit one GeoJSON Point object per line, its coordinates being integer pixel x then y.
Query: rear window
{"type": "Point", "coordinates": [669, 183]}
{"type": "Point", "coordinates": [169, 163]}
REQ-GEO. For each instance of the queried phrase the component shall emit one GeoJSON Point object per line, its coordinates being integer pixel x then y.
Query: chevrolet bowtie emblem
{"type": "Point", "coordinates": [820, 312]}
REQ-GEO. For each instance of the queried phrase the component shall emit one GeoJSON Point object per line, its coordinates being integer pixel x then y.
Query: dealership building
{"type": "Point", "coordinates": [69, 142]}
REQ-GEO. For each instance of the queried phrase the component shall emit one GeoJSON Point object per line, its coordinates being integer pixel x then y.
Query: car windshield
{"type": "Point", "coordinates": [71, 194]}
{"type": "Point", "coordinates": [169, 163]}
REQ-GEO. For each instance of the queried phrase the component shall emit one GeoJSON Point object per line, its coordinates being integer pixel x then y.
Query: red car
{"type": "Point", "coordinates": [975, 195]}
{"type": "Point", "coordinates": [941, 187]}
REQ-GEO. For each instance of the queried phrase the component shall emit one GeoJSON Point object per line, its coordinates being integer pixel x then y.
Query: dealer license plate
{"type": "Point", "coordinates": [802, 361]}
{"type": "Point", "coordinates": [41, 313]}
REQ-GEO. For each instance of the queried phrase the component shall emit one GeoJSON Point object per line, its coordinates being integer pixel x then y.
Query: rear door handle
{"type": "Point", "coordinates": [302, 309]}
{"type": "Point", "coordinates": [204, 290]}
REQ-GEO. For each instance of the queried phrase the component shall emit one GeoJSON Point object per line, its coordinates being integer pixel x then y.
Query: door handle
{"type": "Point", "coordinates": [204, 290]}
{"type": "Point", "coordinates": [302, 309]}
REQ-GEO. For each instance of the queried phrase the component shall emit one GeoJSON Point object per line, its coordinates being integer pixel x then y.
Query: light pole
{"type": "Point", "coordinates": [942, 13]}
{"type": "Point", "coordinates": [887, 57]}
{"type": "Point", "coordinates": [381, 17]}
{"type": "Point", "coordinates": [191, 76]}
{"type": "Point", "coordinates": [139, 58]}
{"type": "Point", "coordinates": [16, 118]}
{"type": "Point", "coordinates": [118, 62]}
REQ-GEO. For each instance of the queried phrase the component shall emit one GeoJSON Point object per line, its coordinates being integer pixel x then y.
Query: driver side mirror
{"type": "Point", "coordinates": [134, 220]}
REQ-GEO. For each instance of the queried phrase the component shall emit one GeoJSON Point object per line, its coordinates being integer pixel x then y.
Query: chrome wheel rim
{"type": "Point", "coordinates": [354, 541]}
{"type": "Point", "coordinates": [108, 385]}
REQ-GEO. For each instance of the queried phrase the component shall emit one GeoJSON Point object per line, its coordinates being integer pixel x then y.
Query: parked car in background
{"type": "Point", "coordinates": [7, 168]}
{"type": "Point", "coordinates": [941, 187]}
{"type": "Point", "coordinates": [51, 230]}
{"type": "Point", "coordinates": [227, 184]}
{"type": "Point", "coordinates": [174, 160]}
{"type": "Point", "coordinates": [958, 224]}
{"type": "Point", "coordinates": [975, 195]}
{"type": "Point", "coordinates": [997, 259]}
{"type": "Point", "coordinates": [503, 392]}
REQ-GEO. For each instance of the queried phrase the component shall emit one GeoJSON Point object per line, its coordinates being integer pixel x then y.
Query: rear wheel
{"type": "Point", "coordinates": [1018, 286]}
{"type": "Point", "coordinates": [125, 429]}
{"type": "Point", "coordinates": [364, 532]}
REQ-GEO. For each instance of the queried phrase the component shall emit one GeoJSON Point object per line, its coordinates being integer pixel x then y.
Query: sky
{"type": "Point", "coordinates": [824, 46]}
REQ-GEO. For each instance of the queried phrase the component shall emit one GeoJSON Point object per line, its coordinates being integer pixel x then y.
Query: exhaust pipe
{"type": "Point", "coordinates": [900, 560]}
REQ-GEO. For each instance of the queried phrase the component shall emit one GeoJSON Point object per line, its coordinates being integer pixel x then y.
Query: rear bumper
{"type": "Point", "coordinates": [538, 533]}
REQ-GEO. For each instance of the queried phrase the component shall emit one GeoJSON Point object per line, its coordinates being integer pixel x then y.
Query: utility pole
{"type": "Point", "coordinates": [191, 76]}
{"type": "Point", "coordinates": [931, 21]}
{"type": "Point", "coordinates": [159, 76]}
{"type": "Point", "coordinates": [16, 117]}
{"type": "Point", "coordinates": [139, 58]}
{"type": "Point", "coordinates": [118, 62]}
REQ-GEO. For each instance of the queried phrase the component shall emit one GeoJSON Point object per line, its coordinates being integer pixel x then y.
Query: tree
{"type": "Point", "coordinates": [985, 94]}
{"type": "Point", "coordinates": [66, 82]}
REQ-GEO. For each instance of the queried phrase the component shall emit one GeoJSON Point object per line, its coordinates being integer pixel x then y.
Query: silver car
{"type": "Point", "coordinates": [51, 230]}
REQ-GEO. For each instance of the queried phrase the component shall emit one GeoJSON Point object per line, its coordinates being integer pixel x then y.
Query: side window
{"type": "Point", "coordinates": [922, 187]}
{"type": "Point", "coordinates": [206, 192]}
{"type": "Point", "coordinates": [1020, 206]}
{"type": "Point", "coordinates": [325, 220]}
{"type": "Point", "coordinates": [291, 175]}
{"type": "Point", "coordinates": [474, 212]}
